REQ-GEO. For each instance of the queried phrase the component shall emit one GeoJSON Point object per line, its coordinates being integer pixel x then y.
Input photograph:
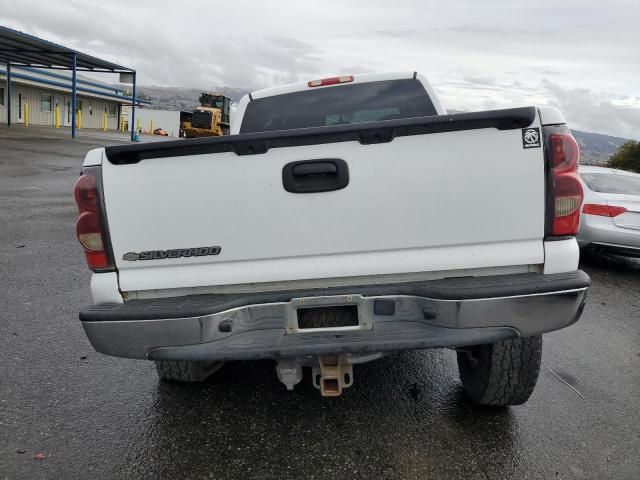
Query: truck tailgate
{"type": "Point", "coordinates": [441, 200]}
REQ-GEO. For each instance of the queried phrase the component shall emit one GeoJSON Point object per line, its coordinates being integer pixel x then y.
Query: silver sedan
{"type": "Point", "coordinates": [610, 219]}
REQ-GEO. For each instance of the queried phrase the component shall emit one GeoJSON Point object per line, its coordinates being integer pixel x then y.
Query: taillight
{"type": "Point", "coordinates": [603, 210]}
{"type": "Point", "coordinates": [564, 187]}
{"type": "Point", "coordinates": [330, 81]}
{"type": "Point", "coordinates": [86, 193]}
{"type": "Point", "coordinates": [90, 227]}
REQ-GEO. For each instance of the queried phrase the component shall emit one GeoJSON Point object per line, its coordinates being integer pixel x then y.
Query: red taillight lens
{"type": "Point", "coordinates": [567, 199]}
{"type": "Point", "coordinates": [90, 237]}
{"type": "Point", "coordinates": [89, 231]}
{"type": "Point", "coordinates": [565, 152]}
{"type": "Point", "coordinates": [86, 193]}
{"type": "Point", "coordinates": [89, 226]}
{"type": "Point", "coordinates": [615, 211]}
{"type": "Point", "coordinates": [565, 188]}
{"type": "Point", "coordinates": [593, 209]}
{"type": "Point", "coordinates": [330, 81]}
{"type": "Point", "coordinates": [603, 210]}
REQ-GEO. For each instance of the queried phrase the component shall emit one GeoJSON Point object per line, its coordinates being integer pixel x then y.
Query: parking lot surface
{"type": "Point", "coordinates": [68, 412]}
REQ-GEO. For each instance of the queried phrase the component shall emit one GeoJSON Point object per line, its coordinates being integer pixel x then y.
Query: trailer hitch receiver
{"type": "Point", "coordinates": [333, 374]}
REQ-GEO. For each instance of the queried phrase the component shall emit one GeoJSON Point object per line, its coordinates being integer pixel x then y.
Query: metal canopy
{"type": "Point", "coordinates": [21, 49]}
{"type": "Point", "coordinates": [24, 50]}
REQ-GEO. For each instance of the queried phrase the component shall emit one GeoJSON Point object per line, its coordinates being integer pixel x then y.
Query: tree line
{"type": "Point", "coordinates": [627, 157]}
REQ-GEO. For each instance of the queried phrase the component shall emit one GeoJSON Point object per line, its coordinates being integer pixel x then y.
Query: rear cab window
{"type": "Point", "coordinates": [611, 183]}
{"type": "Point", "coordinates": [339, 105]}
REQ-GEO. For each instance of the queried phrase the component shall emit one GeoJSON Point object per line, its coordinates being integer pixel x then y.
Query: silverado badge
{"type": "Point", "coordinates": [175, 253]}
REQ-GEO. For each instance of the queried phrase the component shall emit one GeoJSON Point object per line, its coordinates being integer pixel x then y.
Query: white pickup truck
{"type": "Point", "coordinates": [343, 219]}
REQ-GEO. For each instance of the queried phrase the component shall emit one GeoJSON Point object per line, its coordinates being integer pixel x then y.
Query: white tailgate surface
{"type": "Point", "coordinates": [419, 203]}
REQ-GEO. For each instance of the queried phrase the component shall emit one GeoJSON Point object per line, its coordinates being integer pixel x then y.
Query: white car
{"type": "Point", "coordinates": [611, 211]}
{"type": "Point", "coordinates": [345, 218]}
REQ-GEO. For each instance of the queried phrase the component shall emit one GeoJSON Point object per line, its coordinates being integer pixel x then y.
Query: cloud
{"type": "Point", "coordinates": [495, 30]}
{"type": "Point", "coordinates": [478, 55]}
{"type": "Point", "coordinates": [400, 34]}
{"type": "Point", "coordinates": [267, 60]}
{"type": "Point", "coordinates": [595, 112]}
{"type": "Point", "coordinates": [584, 109]}
{"type": "Point", "coordinates": [484, 81]}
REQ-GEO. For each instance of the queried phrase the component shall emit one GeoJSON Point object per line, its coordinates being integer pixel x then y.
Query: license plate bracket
{"type": "Point", "coordinates": [335, 306]}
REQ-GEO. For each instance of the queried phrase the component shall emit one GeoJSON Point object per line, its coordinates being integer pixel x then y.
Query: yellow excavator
{"type": "Point", "coordinates": [210, 119]}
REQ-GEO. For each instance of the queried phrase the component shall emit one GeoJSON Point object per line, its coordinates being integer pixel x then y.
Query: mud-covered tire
{"type": "Point", "coordinates": [186, 371]}
{"type": "Point", "coordinates": [503, 373]}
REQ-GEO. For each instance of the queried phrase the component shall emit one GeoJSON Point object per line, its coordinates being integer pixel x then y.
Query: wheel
{"type": "Point", "coordinates": [185, 370]}
{"type": "Point", "coordinates": [503, 373]}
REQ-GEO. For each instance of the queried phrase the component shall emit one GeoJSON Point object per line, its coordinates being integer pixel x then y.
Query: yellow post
{"type": "Point", "coordinates": [151, 127]}
{"type": "Point", "coordinates": [57, 117]}
{"type": "Point", "coordinates": [26, 114]}
{"type": "Point", "coordinates": [104, 122]}
{"type": "Point", "coordinates": [138, 126]}
{"type": "Point", "coordinates": [79, 119]}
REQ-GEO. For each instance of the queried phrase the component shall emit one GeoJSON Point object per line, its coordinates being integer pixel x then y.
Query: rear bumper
{"type": "Point", "coordinates": [601, 231]}
{"type": "Point", "coordinates": [623, 250]}
{"type": "Point", "coordinates": [445, 313]}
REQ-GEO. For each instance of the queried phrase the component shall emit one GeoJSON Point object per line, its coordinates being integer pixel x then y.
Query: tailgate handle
{"type": "Point", "coordinates": [312, 176]}
{"type": "Point", "coordinates": [314, 168]}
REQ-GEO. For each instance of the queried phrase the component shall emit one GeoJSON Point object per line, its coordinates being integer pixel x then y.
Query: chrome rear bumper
{"type": "Point", "coordinates": [389, 319]}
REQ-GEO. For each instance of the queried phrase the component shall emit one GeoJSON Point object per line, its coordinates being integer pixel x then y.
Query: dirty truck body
{"type": "Point", "coordinates": [343, 219]}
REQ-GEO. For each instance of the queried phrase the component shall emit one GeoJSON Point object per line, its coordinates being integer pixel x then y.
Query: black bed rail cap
{"type": "Point", "coordinates": [365, 133]}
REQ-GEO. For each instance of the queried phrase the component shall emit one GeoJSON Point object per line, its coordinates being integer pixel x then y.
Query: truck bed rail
{"type": "Point", "coordinates": [365, 133]}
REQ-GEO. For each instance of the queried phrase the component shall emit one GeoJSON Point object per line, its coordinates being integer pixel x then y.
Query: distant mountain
{"type": "Point", "coordinates": [180, 98]}
{"type": "Point", "coordinates": [595, 148]}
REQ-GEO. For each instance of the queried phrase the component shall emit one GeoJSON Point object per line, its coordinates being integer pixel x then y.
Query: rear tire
{"type": "Point", "coordinates": [503, 373]}
{"type": "Point", "coordinates": [186, 370]}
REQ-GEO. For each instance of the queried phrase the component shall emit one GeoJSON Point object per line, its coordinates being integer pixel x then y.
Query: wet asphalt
{"type": "Point", "coordinates": [68, 412]}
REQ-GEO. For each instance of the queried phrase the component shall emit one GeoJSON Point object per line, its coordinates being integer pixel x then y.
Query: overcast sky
{"type": "Point", "coordinates": [582, 56]}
